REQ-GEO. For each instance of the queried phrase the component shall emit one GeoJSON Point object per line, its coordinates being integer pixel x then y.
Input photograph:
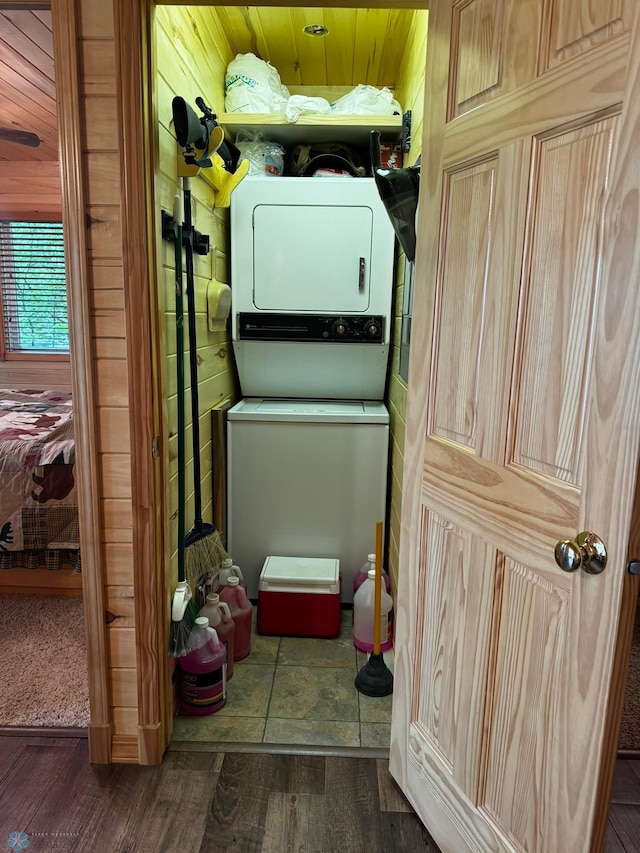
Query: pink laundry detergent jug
{"type": "Point", "coordinates": [203, 671]}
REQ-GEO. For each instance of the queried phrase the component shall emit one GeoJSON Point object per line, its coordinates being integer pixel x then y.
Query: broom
{"type": "Point", "coordinates": [204, 551]}
{"type": "Point", "coordinates": [183, 608]}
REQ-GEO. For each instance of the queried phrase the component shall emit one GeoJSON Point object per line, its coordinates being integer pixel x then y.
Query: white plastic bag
{"type": "Point", "coordinates": [367, 100]}
{"type": "Point", "coordinates": [252, 85]}
{"type": "Point", "coordinates": [299, 104]}
{"type": "Point", "coordinates": [265, 157]}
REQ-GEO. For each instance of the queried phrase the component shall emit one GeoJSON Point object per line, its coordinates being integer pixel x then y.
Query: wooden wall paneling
{"type": "Point", "coordinates": [116, 475]}
{"type": "Point", "coordinates": [243, 30]}
{"type": "Point", "coordinates": [203, 73]}
{"type": "Point", "coordinates": [219, 52]}
{"type": "Point", "coordinates": [369, 45]}
{"type": "Point", "coordinates": [30, 188]}
{"type": "Point", "coordinates": [277, 26]}
{"type": "Point", "coordinates": [118, 524]}
{"type": "Point", "coordinates": [98, 62]}
{"type": "Point", "coordinates": [66, 33]}
{"type": "Point", "coordinates": [119, 557]}
{"type": "Point", "coordinates": [114, 435]}
{"type": "Point", "coordinates": [339, 48]}
{"type": "Point", "coordinates": [101, 123]}
{"type": "Point", "coordinates": [399, 31]}
{"type": "Point", "coordinates": [108, 321]}
{"type": "Point", "coordinates": [122, 646]}
{"type": "Point", "coordinates": [104, 235]}
{"type": "Point", "coordinates": [410, 94]}
{"type": "Point", "coordinates": [210, 60]}
{"type": "Point", "coordinates": [27, 83]}
{"type": "Point", "coordinates": [96, 20]}
{"type": "Point", "coordinates": [311, 53]}
{"type": "Point", "coordinates": [103, 173]}
{"type": "Point", "coordinates": [107, 275]}
{"type": "Point", "coordinates": [410, 79]}
{"type": "Point", "coordinates": [125, 694]}
{"type": "Point", "coordinates": [120, 603]}
{"type": "Point", "coordinates": [111, 382]}
{"type": "Point", "coordinates": [55, 375]}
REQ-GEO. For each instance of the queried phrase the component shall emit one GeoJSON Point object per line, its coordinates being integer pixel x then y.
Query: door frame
{"type": "Point", "coordinates": [131, 21]}
{"type": "Point", "coordinates": [65, 40]}
{"type": "Point", "coordinates": [134, 59]}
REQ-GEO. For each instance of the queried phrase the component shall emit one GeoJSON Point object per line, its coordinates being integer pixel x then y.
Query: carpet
{"type": "Point", "coordinates": [630, 726]}
{"type": "Point", "coordinates": [43, 661]}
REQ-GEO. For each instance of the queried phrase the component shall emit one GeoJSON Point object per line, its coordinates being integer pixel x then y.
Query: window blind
{"type": "Point", "coordinates": [33, 287]}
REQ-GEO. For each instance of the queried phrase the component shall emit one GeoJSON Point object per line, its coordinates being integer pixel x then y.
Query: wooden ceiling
{"type": "Point", "coordinates": [27, 83]}
{"type": "Point", "coordinates": [362, 45]}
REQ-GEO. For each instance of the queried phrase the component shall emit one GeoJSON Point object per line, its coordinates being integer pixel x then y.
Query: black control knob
{"type": "Point", "coordinates": [340, 329]}
{"type": "Point", "coordinates": [372, 330]}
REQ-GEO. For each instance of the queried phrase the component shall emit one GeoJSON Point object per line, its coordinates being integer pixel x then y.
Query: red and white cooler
{"type": "Point", "coordinates": [299, 597]}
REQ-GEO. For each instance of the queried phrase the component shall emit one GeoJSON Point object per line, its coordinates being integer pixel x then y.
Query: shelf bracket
{"type": "Point", "coordinates": [406, 131]}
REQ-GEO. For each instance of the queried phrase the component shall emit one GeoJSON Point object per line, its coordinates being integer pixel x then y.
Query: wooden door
{"type": "Point", "coordinates": [522, 425]}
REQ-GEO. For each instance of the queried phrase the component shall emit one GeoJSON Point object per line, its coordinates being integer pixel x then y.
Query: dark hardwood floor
{"type": "Point", "coordinates": [200, 800]}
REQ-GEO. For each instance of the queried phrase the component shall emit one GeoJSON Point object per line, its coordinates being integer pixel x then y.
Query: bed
{"type": "Point", "coordinates": [38, 498]}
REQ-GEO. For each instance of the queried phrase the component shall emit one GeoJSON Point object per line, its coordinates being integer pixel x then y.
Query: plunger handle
{"type": "Point", "coordinates": [377, 601]}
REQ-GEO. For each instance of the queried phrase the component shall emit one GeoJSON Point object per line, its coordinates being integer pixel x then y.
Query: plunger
{"type": "Point", "coordinates": [375, 678]}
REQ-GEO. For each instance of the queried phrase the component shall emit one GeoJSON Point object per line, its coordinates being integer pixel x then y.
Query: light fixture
{"type": "Point", "coordinates": [316, 30]}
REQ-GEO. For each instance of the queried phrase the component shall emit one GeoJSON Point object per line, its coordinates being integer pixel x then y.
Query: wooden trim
{"type": "Point", "coordinates": [628, 754]}
{"type": "Point", "coordinates": [64, 581]}
{"type": "Point", "coordinates": [44, 731]}
{"type": "Point", "coordinates": [219, 465]}
{"type": "Point", "coordinates": [132, 37]}
{"type": "Point", "coordinates": [66, 52]}
{"type": "Point", "coordinates": [29, 5]}
{"type": "Point", "coordinates": [328, 4]}
{"type": "Point", "coordinates": [616, 268]}
{"type": "Point", "coordinates": [125, 747]}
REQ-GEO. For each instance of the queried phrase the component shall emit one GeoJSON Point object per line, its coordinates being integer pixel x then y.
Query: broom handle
{"type": "Point", "coordinates": [377, 601]}
{"type": "Point", "coordinates": [193, 356]}
{"type": "Point", "coordinates": [177, 218]}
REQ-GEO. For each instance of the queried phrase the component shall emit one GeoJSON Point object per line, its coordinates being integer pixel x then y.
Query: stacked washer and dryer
{"type": "Point", "coordinates": [312, 264]}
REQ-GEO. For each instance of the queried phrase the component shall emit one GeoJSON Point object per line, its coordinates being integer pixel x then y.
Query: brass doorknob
{"type": "Point", "coordinates": [586, 552]}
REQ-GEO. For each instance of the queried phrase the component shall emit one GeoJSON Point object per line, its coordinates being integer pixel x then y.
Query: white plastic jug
{"type": "Point", "coordinates": [220, 618]}
{"type": "Point", "coordinates": [230, 569]}
{"type": "Point", "coordinates": [362, 574]}
{"type": "Point", "coordinates": [363, 615]}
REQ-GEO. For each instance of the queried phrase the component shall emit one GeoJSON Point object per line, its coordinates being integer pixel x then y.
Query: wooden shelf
{"type": "Point", "coordinates": [352, 130]}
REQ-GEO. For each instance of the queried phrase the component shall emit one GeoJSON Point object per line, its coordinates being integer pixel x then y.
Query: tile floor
{"type": "Point", "coordinates": [293, 690]}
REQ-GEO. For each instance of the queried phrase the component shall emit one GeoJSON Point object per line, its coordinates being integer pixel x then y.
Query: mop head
{"type": "Point", "coordinates": [203, 554]}
{"type": "Point", "coordinates": [183, 617]}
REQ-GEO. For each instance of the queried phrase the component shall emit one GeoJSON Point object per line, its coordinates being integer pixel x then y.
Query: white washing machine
{"type": "Point", "coordinates": [307, 478]}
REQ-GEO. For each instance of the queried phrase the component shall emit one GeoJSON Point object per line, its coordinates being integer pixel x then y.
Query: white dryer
{"type": "Point", "coordinates": [312, 279]}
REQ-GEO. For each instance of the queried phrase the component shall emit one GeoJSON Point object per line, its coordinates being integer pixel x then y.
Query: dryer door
{"type": "Point", "coordinates": [312, 257]}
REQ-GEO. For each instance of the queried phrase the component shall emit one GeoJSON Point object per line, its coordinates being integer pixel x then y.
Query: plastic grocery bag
{"type": "Point", "coordinates": [252, 85]}
{"type": "Point", "coordinates": [299, 104]}
{"type": "Point", "coordinates": [367, 100]}
{"type": "Point", "coordinates": [265, 157]}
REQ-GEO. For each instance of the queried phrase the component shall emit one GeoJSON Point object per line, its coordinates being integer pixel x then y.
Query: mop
{"type": "Point", "coordinates": [183, 609]}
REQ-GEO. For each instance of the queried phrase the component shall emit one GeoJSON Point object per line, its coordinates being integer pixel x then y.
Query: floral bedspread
{"type": "Point", "coordinates": [38, 502]}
